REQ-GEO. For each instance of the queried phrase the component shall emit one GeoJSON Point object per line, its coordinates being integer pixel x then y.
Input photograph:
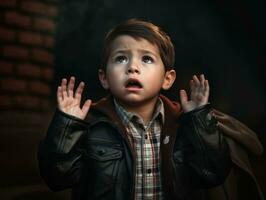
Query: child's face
{"type": "Point", "coordinates": [135, 72]}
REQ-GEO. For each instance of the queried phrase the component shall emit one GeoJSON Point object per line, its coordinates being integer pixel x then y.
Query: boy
{"type": "Point", "coordinates": [135, 143]}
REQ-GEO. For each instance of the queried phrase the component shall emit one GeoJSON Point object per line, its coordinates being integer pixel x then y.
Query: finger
{"type": "Point", "coordinates": [183, 97]}
{"type": "Point", "coordinates": [70, 87]}
{"type": "Point", "coordinates": [63, 86]}
{"type": "Point", "coordinates": [59, 94]}
{"type": "Point", "coordinates": [79, 90]}
{"type": "Point", "coordinates": [192, 85]}
{"type": "Point", "coordinates": [196, 81]}
{"type": "Point", "coordinates": [206, 88]}
{"type": "Point", "coordinates": [202, 81]}
{"type": "Point", "coordinates": [193, 89]}
{"type": "Point", "coordinates": [86, 106]}
{"type": "Point", "coordinates": [206, 85]}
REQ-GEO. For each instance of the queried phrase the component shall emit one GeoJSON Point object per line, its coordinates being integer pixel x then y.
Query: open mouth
{"type": "Point", "coordinates": [133, 83]}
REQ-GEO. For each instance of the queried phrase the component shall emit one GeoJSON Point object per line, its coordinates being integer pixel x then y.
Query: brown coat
{"type": "Point", "coordinates": [241, 183]}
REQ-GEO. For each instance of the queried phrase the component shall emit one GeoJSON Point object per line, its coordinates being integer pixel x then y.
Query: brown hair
{"type": "Point", "coordinates": [141, 29]}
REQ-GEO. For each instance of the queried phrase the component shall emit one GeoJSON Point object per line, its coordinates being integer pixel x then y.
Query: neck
{"type": "Point", "coordinates": [144, 110]}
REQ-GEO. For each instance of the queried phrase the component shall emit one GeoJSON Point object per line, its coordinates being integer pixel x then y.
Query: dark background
{"type": "Point", "coordinates": [224, 39]}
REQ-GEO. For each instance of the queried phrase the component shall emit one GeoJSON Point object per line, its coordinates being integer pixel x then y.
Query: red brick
{"type": "Point", "coordinates": [7, 3]}
{"type": "Point", "coordinates": [15, 52]}
{"type": "Point", "coordinates": [29, 70]}
{"type": "Point", "coordinates": [7, 34]}
{"type": "Point", "coordinates": [14, 85]}
{"type": "Point", "coordinates": [5, 101]}
{"type": "Point", "coordinates": [39, 88]}
{"type": "Point", "coordinates": [17, 19]}
{"type": "Point", "coordinates": [48, 74]}
{"type": "Point", "coordinates": [48, 41]}
{"type": "Point", "coordinates": [27, 101]}
{"type": "Point", "coordinates": [42, 56]}
{"type": "Point", "coordinates": [33, 7]}
{"type": "Point", "coordinates": [30, 38]}
{"type": "Point", "coordinates": [6, 67]}
{"type": "Point", "coordinates": [44, 25]}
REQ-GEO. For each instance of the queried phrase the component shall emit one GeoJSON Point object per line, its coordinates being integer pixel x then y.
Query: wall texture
{"type": "Point", "coordinates": [27, 31]}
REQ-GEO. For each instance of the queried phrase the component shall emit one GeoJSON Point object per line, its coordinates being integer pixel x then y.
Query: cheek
{"type": "Point", "coordinates": [114, 78]}
{"type": "Point", "coordinates": [154, 74]}
{"type": "Point", "coordinates": [115, 70]}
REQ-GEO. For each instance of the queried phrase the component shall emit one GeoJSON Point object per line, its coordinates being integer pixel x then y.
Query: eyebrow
{"type": "Point", "coordinates": [139, 50]}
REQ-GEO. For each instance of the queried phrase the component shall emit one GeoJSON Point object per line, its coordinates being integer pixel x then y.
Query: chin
{"type": "Point", "coordinates": [130, 101]}
{"type": "Point", "coordinates": [136, 101]}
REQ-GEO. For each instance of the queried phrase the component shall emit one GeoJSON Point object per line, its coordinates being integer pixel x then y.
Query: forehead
{"type": "Point", "coordinates": [128, 43]}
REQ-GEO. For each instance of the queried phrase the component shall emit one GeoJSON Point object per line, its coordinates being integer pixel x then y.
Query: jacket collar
{"type": "Point", "coordinates": [105, 108]}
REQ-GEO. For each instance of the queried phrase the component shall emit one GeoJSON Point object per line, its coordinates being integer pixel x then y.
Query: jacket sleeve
{"type": "Point", "coordinates": [60, 153]}
{"type": "Point", "coordinates": [207, 153]}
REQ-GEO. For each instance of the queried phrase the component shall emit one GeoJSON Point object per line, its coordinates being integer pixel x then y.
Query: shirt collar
{"type": "Point", "coordinates": [127, 116]}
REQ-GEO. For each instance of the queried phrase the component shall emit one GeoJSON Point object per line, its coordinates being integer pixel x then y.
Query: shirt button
{"type": "Point", "coordinates": [146, 136]}
{"type": "Point", "coordinates": [148, 171]}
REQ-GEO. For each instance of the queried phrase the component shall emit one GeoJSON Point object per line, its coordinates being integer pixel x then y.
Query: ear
{"type": "Point", "coordinates": [103, 79]}
{"type": "Point", "coordinates": [169, 79]}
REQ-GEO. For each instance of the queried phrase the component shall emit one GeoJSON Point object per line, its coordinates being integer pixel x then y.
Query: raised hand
{"type": "Point", "coordinates": [199, 94]}
{"type": "Point", "coordinates": [69, 102]}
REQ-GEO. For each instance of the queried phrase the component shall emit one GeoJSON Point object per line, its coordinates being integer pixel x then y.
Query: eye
{"type": "Point", "coordinates": [121, 59]}
{"type": "Point", "coordinates": [147, 59]}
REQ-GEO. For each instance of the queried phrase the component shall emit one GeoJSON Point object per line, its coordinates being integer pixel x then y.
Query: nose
{"type": "Point", "coordinates": [133, 67]}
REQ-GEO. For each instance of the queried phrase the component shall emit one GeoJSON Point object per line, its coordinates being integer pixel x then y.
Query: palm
{"type": "Point", "coordinates": [71, 106]}
{"type": "Point", "coordinates": [69, 102]}
{"type": "Point", "coordinates": [199, 94]}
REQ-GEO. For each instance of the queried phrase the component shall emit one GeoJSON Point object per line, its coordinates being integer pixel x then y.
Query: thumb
{"type": "Point", "coordinates": [183, 97]}
{"type": "Point", "coordinates": [86, 106]}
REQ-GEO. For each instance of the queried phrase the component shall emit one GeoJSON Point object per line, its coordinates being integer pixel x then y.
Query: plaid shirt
{"type": "Point", "coordinates": [145, 140]}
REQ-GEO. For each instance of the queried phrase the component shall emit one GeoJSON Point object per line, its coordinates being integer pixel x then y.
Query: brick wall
{"type": "Point", "coordinates": [26, 53]}
{"type": "Point", "coordinates": [27, 29]}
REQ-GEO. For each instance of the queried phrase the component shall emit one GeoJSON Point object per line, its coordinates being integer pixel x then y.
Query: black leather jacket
{"type": "Point", "coordinates": [94, 158]}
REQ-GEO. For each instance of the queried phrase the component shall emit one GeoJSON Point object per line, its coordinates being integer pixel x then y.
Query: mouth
{"type": "Point", "coordinates": [133, 83]}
